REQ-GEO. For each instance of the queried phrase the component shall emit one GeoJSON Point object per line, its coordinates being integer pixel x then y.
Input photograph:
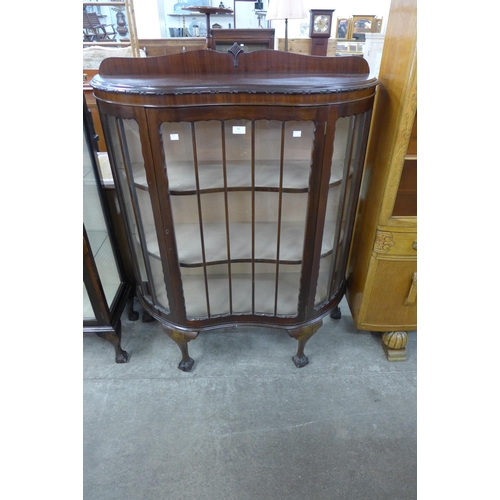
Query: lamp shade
{"type": "Point", "coordinates": [286, 9]}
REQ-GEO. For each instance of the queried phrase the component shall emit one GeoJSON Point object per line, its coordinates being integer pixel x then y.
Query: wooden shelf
{"type": "Point", "coordinates": [243, 301]}
{"type": "Point", "coordinates": [240, 238]}
{"type": "Point", "coordinates": [182, 181]}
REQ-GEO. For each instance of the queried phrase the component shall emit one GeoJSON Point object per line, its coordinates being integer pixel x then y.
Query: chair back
{"type": "Point", "coordinates": [90, 20]}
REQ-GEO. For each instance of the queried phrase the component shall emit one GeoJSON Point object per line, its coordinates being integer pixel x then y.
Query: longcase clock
{"type": "Point", "coordinates": [320, 30]}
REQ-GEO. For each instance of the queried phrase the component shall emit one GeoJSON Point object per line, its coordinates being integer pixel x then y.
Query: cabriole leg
{"type": "Point", "coordinates": [303, 335]}
{"type": "Point", "coordinates": [182, 339]}
{"type": "Point", "coordinates": [115, 338]}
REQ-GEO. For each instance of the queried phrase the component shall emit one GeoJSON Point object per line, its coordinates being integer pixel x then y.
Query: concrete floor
{"type": "Point", "coordinates": [246, 423]}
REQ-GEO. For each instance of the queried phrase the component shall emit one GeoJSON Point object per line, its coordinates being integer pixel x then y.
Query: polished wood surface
{"type": "Point", "coordinates": [379, 277]}
{"type": "Point", "coordinates": [262, 77]}
{"type": "Point", "coordinates": [389, 284]}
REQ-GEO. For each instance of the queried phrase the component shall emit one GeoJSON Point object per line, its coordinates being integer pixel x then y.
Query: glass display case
{"type": "Point", "coordinates": [238, 177]}
{"type": "Point", "coordinates": [105, 293]}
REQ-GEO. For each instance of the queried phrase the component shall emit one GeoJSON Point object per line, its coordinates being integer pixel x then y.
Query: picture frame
{"type": "Point", "coordinates": [363, 24]}
{"type": "Point", "coordinates": [342, 30]}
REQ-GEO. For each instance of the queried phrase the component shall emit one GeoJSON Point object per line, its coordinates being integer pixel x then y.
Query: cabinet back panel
{"type": "Point", "coordinates": [406, 199]}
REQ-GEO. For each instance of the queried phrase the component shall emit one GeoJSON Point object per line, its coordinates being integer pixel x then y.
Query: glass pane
{"type": "Point", "coordinates": [97, 231]}
{"type": "Point", "coordinates": [131, 175]}
{"type": "Point", "coordinates": [347, 162]}
{"type": "Point", "coordinates": [331, 217]}
{"type": "Point", "coordinates": [88, 311]}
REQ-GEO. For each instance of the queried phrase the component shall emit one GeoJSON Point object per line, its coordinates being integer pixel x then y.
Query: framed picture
{"type": "Point", "coordinates": [363, 24]}
{"type": "Point", "coordinates": [342, 31]}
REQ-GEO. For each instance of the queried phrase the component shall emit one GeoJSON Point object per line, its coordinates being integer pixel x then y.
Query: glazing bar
{"type": "Point", "coordinates": [280, 206]}
{"type": "Point", "coordinates": [359, 155]}
{"type": "Point", "coordinates": [200, 215]}
{"type": "Point", "coordinates": [253, 216]}
{"type": "Point", "coordinates": [340, 210]}
{"type": "Point", "coordinates": [122, 136]}
{"type": "Point", "coordinates": [226, 209]}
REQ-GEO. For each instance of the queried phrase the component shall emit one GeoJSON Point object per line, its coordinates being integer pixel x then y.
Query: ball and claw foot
{"type": "Point", "coordinates": [182, 339]}
{"type": "Point", "coordinates": [300, 361]}
{"type": "Point", "coordinates": [133, 316]}
{"type": "Point", "coordinates": [146, 317]}
{"type": "Point", "coordinates": [122, 357]}
{"type": "Point", "coordinates": [186, 366]}
{"type": "Point", "coordinates": [114, 338]}
{"type": "Point", "coordinates": [336, 314]}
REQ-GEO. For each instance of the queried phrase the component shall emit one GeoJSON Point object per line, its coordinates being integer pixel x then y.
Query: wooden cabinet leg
{"type": "Point", "coordinates": [182, 339]}
{"type": "Point", "coordinates": [115, 337]}
{"type": "Point", "coordinates": [336, 313]}
{"type": "Point", "coordinates": [303, 335]}
{"type": "Point", "coordinates": [394, 344]}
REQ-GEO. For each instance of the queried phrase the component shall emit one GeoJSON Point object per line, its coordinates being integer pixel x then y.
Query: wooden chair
{"type": "Point", "coordinates": [94, 30]}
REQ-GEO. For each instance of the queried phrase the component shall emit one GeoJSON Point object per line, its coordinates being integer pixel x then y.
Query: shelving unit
{"type": "Point", "coordinates": [238, 179]}
{"type": "Point", "coordinates": [132, 40]}
{"type": "Point", "coordinates": [203, 15]}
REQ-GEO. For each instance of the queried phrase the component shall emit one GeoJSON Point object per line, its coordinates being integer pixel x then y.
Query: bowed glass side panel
{"type": "Point", "coordinates": [347, 164]}
{"type": "Point", "coordinates": [126, 151]}
{"type": "Point", "coordinates": [98, 236]}
{"type": "Point", "coordinates": [88, 311]}
{"type": "Point", "coordinates": [238, 192]}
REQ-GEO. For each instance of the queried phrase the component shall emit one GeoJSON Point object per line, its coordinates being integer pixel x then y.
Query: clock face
{"type": "Point", "coordinates": [321, 24]}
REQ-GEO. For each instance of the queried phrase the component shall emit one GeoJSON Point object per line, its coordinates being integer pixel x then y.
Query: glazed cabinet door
{"type": "Point", "coordinates": [235, 218]}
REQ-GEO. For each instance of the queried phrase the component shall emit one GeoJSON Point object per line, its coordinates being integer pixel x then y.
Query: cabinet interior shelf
{"type": "Point", "coordinates": [233, 295]}
{"type": "Point", "coordinates": [181, 176]}
{"type": "Point", "coordinates": [189, 242]}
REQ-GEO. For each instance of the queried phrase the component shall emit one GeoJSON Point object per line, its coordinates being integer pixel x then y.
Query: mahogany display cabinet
{"type": "Point", "coordinates": [105, 291]}
{"type": "Point", "coordinates": [238, 176]}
